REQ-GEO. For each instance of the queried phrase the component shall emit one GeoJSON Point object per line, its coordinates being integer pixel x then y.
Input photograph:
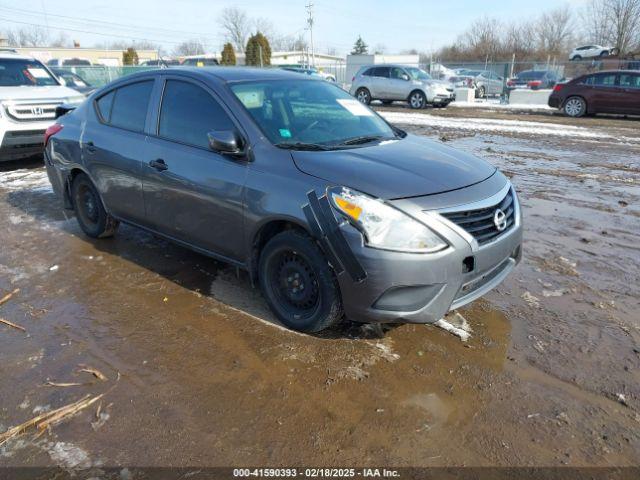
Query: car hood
{"type": "Point", "coordinates": [411, 167]}
{"type": "Point", "coordinates": [53, 92]}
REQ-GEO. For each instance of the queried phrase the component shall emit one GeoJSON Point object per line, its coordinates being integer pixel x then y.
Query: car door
{"type": "Point", "coordinates": [629, 86]}
{"type": "Point", "coordinates": [192, 193]}
{"type": "Point", "coordinates": [399, 85]}
{"type": "Point", "coordinates": [379, 82]}
{"type": "Point", "coordinates": [114, 147]}
{"type": "Point", "coordinates": [606, 94]}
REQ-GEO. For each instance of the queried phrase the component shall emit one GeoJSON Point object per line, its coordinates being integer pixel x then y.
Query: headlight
{"type": "Point", "coordinates": [76, 100]}
{"type": "Point", "coordinates": [384, 226]}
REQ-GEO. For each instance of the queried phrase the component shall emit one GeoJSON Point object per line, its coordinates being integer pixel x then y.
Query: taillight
{"type": "Point", "coordinates": [353, 79]}
{"type": "Point", "coordinates": [558, 87]}
{"type": "Point", "coordinates": [510, 83]}
{"type": "Point", "coordinates": [535, 83]}
{"type": "Point", "coordinates": [51, 131]}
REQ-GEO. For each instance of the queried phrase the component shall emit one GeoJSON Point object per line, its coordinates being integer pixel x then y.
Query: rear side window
{"type": "Point", "coordinates": [129, 109]}
{"type": "Point", "coordinates": [368, 72]}
{"type": "Point", "coordinates": [605, 80]}
{"type": "Point", "coordinates": [381, 72]}
{"type": "Point", "coordinates": [189, 112]}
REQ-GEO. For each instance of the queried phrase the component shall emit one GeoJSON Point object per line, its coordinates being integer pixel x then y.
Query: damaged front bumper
{"type": "Point", "coordinates": [422, 288]}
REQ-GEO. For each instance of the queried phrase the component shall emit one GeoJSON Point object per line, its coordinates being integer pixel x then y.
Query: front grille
{"type": "Point", "coordinates": [480, 223]}
{"type": "Point", "coordinates": [32, 112]}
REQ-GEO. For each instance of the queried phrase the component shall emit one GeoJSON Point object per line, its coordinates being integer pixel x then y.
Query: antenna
{"type": "Point", "coordinates": [309, 8]}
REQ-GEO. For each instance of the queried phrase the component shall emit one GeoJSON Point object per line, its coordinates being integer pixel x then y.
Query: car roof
{"type": "Point", "coordinates": [15, 56]}
{"type": "Point", "coordinates": [222, 74]}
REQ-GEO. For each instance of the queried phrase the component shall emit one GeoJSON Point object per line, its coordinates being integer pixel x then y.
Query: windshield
{"type": "Point", "coordinates": [16, 73]}
{"type": "Point", "coordinates": [418, 74]}
{"type": "Point", "coordinates": [310, 112]}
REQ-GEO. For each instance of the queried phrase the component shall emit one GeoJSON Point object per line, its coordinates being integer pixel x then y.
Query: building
{"type": "Point", "coordinates": [97, 56]}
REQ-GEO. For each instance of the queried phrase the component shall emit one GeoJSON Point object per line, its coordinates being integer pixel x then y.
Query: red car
{"type": "Point", "coordinates": [603, 92]}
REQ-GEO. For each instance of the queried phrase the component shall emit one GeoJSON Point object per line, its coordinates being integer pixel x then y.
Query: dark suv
{"type": "Point", "coordinates": [329, 208]}
{"type": "Point", "coordinates": [603, 92]}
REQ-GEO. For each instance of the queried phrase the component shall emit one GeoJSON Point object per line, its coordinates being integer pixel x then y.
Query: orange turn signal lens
{"type": "Point", "coordinates": [350, 208]}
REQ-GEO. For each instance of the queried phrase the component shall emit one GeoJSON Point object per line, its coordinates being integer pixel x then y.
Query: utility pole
{"type": "Point", "coordinates": [309, 7]}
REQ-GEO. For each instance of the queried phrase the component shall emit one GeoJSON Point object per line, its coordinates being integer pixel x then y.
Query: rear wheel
{"type": "Point", "coordinates": [575, 107]}
{"type": "Point", "coordinates": [417, 100]}
{"type": "Point", "coordinates": [481, 92]}
{"type": "Point", "coordinates": [91, 215]}
{"type": "Point", "coordinates": [604, 53]}
{"type": "Point", "coordinates": [298, 283]}
{"type": "Point", "coordinates": [577, 57]}
{"type": "Point", "coordinates": [364, 96]}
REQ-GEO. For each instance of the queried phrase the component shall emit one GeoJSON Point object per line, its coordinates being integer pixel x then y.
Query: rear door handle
{"type": "Point", "coordinates": [91, 148]}
{"type": "Point", "coordinates": [159, 165]}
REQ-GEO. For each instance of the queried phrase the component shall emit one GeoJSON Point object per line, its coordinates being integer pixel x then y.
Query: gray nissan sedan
{"type": "Point", "coordinates": [331, 210]}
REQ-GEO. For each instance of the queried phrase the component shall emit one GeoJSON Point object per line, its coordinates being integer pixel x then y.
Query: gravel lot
{"type": "Point", "coordinates": [198, 374]}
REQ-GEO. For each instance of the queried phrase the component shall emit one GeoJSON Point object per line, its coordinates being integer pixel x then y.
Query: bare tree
{"type": "Point", "coordinates": [61, 41]}
{"type": "Point", "coordinates": [379, 49]}
{"type": "Point", "coordinates": [189, 47]}
{"type": "Point", "coordinates": [623, 19]}
{"type": "Point", "coordinates": [554, 31]}
{"type": "Point", "coordinates": [28, 37]}
{"type": "Point", "coordinates": [236, 26]}
{"type": "Point", "coordinates": [482, 38]}
{"type": "Point", "coordinates": [519, 38]}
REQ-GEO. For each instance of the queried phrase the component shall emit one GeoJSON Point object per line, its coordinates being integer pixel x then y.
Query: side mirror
{"type": "Point", "coordinates": [226, 142]}
{"type": "Point", "coordinates": [405, 77]}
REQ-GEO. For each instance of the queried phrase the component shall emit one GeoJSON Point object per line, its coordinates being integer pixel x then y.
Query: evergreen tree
{"type": "Point", "coordinates": [228, 56]}
{"type": "Point", "coordinates": [130, 56]}
{"type": "Point", "coordinates": [258, 48]}
{"type": "Point", "coordinates": [360, 48]}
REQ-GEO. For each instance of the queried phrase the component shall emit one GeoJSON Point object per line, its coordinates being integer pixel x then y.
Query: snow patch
{"type": "Point", "coordinates": [455, 324]}
{"type": "Point", "coordinates": [68, 455]}
{"type": "Point", "coordinates": [500, 125]}
{"type": "Point", "coordinates": [34, 180]}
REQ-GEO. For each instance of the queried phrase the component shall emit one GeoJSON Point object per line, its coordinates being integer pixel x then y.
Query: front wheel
{"type": "Point", "coordinates": [364, 96]}
{"type": "Point", "coordinates": [481, 92]}
{"type": "Point", "coordinates": [575, 107]}
{"type": "Point", "coordinates": [92, 217]}
{"type": "Point", "coordinates": [298, 283]}
{"type": "Point", "coordinates": [417, 100]}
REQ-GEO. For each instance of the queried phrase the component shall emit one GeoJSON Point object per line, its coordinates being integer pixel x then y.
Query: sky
{"type": "Point", "coordinates": [399, 25]}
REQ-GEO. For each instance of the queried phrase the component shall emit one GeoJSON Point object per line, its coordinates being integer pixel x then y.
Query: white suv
{"type": "Point", "coordinates": [29, 95]}
{"type": "Point", "coordinates": [590, 51]}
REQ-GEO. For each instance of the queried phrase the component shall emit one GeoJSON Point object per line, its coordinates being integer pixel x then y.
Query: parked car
{"type": "Point", "coordinates": [590, 51]}
{"type": "Point", "coordinates": [534, 79]}
{"type": "Point", "coordinates": [314, 72]}
{"type": "Point", "coordinates": [29, 95]}
{"type": "Point", "coordinates": [69, 62]}
{"type": "Point", "coordinates": [162, 62]}
{"type": "Point", "coordinates": [200, 61]}
{"type": "Point", "coordinates": [603, 92]}
{"type": "Point", "coordinates": [398, 82]}
{"type": "Point", "coordinates": [73, 80]}
{"type": "Point", "coordinates": [484, 82]}
{"type": "Point", "coordinates": [267, 170]}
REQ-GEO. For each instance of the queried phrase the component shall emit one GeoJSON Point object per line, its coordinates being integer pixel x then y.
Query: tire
{"type": "Point", "coordinates": [363, 95]}
{"type": "Point", "coordinates": [481, 92]}
{"type": "Point", "coordinates": [604, 53]}
{"type": "Point", "coordinates": [291, 260]}
{"type": "Point", "coordinates": [575, 107]}
{"type": "Point", "coordinates": [417, 100]}
{"type": "Point", "coordinates": [92, 217]}
{"type": "Point", "coordinates": [576, 58]}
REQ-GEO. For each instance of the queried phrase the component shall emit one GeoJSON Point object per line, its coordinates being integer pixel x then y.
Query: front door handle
{"type": "Point", "coordinates": [91, 148]}
{"type": "Point", "coordinates": [159, 165]}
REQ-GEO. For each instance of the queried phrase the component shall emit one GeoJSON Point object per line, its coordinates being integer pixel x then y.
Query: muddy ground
{"type": "Point", "coordinates": [198, 374]}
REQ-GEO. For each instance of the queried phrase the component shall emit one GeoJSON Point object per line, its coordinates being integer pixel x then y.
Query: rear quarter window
{"type": "Point", "coordinates": [104, 104]}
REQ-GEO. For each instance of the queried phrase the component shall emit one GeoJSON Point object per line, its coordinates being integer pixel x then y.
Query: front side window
{"type": "Point", "coordinates": [418, 74]}
{"type": "Point", "coordinates": [20, 73]}
{"type": "Point", "coordinates": [189, 112]}
{"type": "Point", "coordinates": [291, 112]}
{"type": "Point", "coordinates": [130, 105]}
{"type": "Point", "coordinates": [630, 80]}
{"type": "Point", "coordinates": [397, 73]}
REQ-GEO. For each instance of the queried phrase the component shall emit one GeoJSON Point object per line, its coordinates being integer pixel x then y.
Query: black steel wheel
{"type": "Point", "coordinates": [298, 283]}
{"type": "Point", "coordinates": [90, 213]}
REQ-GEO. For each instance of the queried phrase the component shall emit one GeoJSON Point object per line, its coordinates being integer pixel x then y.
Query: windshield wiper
{"type": "Point", "coordinates": [302, 146]}
{"type": "Point", "coordinates": [362, 139]}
